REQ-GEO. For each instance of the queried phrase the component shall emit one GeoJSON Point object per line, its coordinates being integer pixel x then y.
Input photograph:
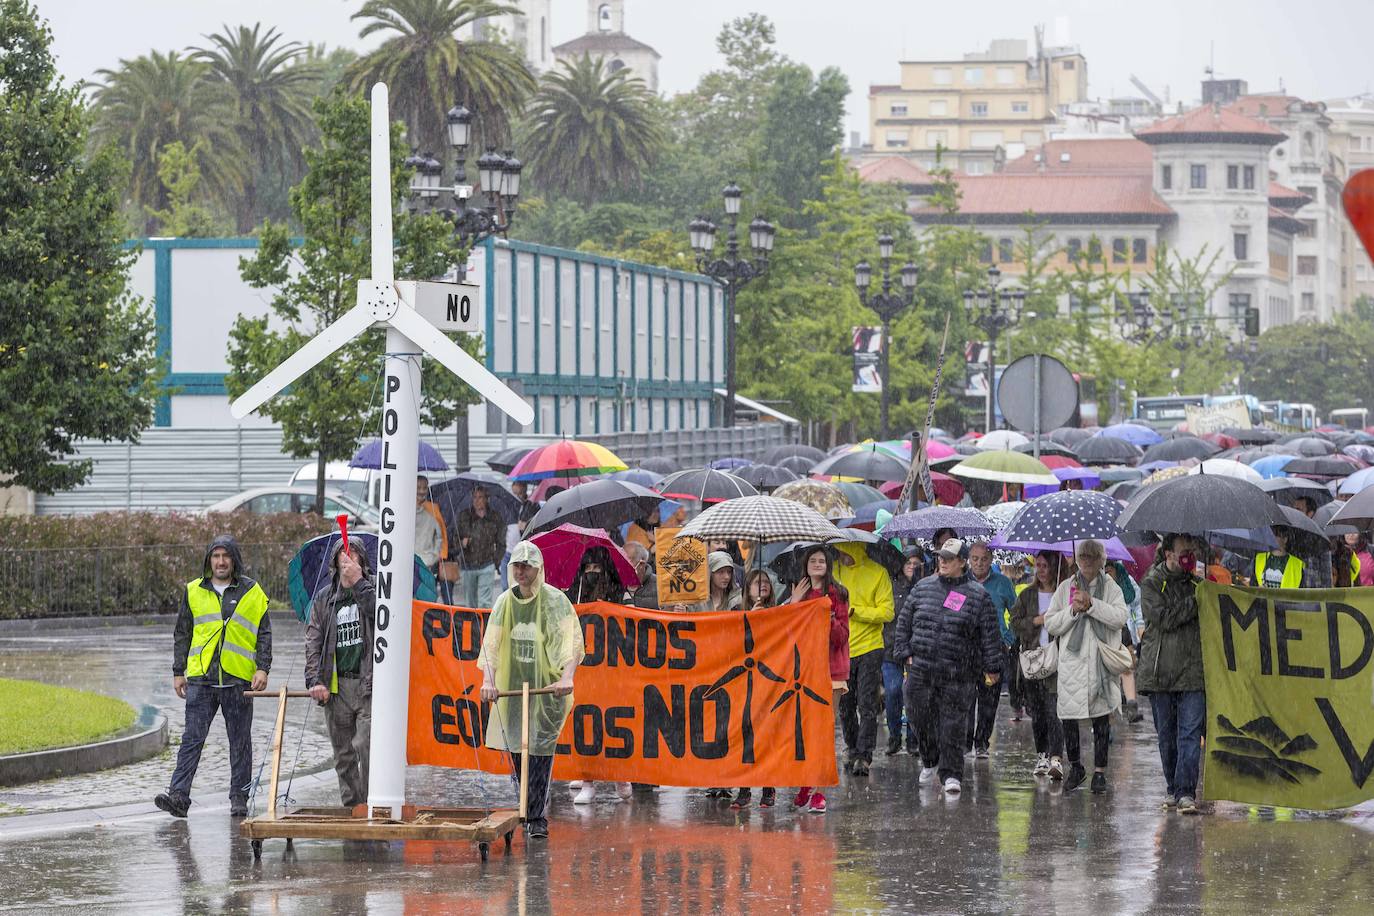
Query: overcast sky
{"type": "Point", "coordinates": [1317, 48]}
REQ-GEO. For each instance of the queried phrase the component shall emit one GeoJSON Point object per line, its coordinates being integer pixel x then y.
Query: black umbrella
{"type": "Point", "coordinates": [1320, 466]}
{"type": "Point", "coordinates": [864, 465]}
{"type": "Point", "coordinates": [1358, 510]}
{"type": "Point", "coordinates": [1334, 529]}
{"type": "Point", "coordinates": [1258, 435]}
{"type": "Point", "coordinates": [767, 476]}
{"type": "Point", "coordinates": [506, 461]}
{"type": "Point", "coordinates": [660, 465]}
{"type": "Point", "coordinates": [1065, 515]}
{"type": "Point", "coordinates": [1198, 503]}
{"type": "Point", "coordinates": [1180, 449]}
{"type": "Point", "coordinates": [792, 450]}
{"type": "Point", "coordinates": [1070, 435]}
{"type": "Point", "coordinates": [947, 462]}
{"type": "Point", "coordinates": [455, 494]}
{"type": "Point", "coordinates": [598, 504]}
{"type": "Point", "coordinates": [1107, 450]}
{"type": "Point", "coordinates": [704, 485]}
{"type": "Point", "coordinates": [1047, 447]}
{"type": "Point", "coordinates": [879, 550]}
{"type": "Point", "coordinates": [1124, 490]}
{"type": "Point", "coordinates": [1308, 445]}
{"type": "Point", "coordinates": [797, 464]}
{"type": "Point", "coordinates": [1286, 489]}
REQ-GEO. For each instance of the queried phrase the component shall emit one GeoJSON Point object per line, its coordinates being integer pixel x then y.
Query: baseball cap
{"type": "Point", "coordinates": [953, 547]}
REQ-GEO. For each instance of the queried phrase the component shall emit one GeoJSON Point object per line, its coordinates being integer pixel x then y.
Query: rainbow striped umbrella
{"type": "Point", "coordinates": [568, 458]}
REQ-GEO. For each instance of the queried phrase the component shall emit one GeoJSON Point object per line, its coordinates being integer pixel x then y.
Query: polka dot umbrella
{"type": "Point", "coordinates": [1066, 515]}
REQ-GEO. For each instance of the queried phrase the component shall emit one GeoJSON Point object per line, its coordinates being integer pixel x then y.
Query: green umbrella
{"type": "Point", "coordinates": [1005, 467]}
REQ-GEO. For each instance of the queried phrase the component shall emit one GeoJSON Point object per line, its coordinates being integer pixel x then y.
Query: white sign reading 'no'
{"type": "Point", "coordinates": [448, 306]}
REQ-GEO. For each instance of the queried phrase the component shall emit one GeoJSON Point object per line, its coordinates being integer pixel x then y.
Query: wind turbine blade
{"type": "Point", "coordinates": [383, 267]}
{"type": "Point", "coordinates": [786, 695]}
{"type": "Point", "coordinates": [768, 673]}
{"type": "Point", "coordinates": [724, 679]}
{"type": "Point", "coordinates": [354, 322]}
{"type": "Point", "coordinates": [433, 342]}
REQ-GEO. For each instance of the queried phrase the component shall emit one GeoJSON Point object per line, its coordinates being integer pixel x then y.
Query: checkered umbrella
{"type": "Point", "coordinates": [764, 519]}
{"type": "Point", "coordinates": [1067, 515]}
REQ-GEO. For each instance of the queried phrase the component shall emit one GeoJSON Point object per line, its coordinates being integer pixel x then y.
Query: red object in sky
{"type": "Point", "coordinates": [342, 519]}
{"type": "Point", "coordinates": [1358, 198]}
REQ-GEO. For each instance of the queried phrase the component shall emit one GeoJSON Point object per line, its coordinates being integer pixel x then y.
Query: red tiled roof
{"type": "Point", "coordinates": [1127, 198]}
{"type": "Point", "coordinates": [1211, 124]}
{"type": "Point", "coordinates": [894, 168]}
{"type": "Point", "coordinates": [1109, 155]}
{"type": "Point", "coordinates": [1263, 106]}
{"type": "Point", "coordinates": [1287, 198]}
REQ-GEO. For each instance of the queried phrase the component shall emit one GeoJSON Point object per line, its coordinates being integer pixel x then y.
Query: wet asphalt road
{"type": "Point", "coordinates": [1011, 844]}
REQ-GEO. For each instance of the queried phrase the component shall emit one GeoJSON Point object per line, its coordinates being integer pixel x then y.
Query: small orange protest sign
{"type": "Point", "coordinates": [712, 699]}
{"type": "Point", "coordinates": [682, 574]}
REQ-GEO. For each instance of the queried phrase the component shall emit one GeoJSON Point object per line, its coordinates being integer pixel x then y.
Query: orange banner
{"type": "Point", "coordinates": [712, 699]}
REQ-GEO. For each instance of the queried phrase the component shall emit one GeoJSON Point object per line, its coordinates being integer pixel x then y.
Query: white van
{"type": "Point", "coordinates": [363, 484]}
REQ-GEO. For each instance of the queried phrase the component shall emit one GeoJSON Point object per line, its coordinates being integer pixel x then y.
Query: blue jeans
{"type": "Point", "coordinates": [892, 699]}
{"type": "Point", "coordinates": [202, 702]}
{"type": "Point", "coordinates": [478, 587]}
{"type": "Point", "coordinates": [1179, 721]}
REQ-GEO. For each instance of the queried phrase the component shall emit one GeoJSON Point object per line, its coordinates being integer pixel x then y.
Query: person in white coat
{"type": "Point", "coordinates": [1086, 616]}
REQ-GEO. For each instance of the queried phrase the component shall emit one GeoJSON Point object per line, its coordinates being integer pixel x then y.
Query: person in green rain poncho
{"type": "Point", "coordinates": [534, 637]}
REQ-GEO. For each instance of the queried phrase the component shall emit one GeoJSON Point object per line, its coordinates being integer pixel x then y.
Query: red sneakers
{"type": "Point", "coordinates": [817, 804]}
{"type": "Point", "coordinates": [803, 797]}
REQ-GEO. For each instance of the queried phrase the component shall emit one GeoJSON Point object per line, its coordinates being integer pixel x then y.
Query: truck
{"type": "Point", "coordinates": [1163, 413]}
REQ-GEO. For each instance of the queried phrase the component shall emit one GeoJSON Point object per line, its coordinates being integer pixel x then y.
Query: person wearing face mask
{"type": "Point", "coordinates": [596, 579]}
{"type": "Point", "coordinates": [1170, 671]}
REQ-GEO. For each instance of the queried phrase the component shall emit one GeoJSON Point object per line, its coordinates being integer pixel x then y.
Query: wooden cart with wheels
{"type": "Point", "coordinates": [472, 825]}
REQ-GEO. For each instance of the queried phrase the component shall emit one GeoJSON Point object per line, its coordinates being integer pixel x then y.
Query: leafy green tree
{"type": "Point", "coordinates": [1330, 365]}
{"type": "Point", "coordinates": [271, 83]}
{"type": "Point", "coordinates": [158, 99]}
{"type": "Point", "coordinates": [184, 217]}
{"type": "Point", "coordinates": [801, 127]}
{"type": "Point", "coordinates": [76, 351]}
{"type": "Point", "coordinates": [590, 130]}
{"type": "Point", "coordinates": [428, 69]}
{"type": "Point", "coordinates": [326, 410]}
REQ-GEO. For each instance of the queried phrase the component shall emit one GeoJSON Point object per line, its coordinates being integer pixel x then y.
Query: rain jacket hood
{"type": "Point", "coordinates": [228, 542]}
{"type": "Point", "coordinates": [870, 598]}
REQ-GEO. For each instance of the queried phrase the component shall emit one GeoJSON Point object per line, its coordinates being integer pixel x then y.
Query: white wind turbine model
{"type": "Point", "coordinates": [384, 302]}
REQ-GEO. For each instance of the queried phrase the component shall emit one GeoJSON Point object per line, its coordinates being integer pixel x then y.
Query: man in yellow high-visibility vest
{"type": "Point", "coordinates": [222, 647]}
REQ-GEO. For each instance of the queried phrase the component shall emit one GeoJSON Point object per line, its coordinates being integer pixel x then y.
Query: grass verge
{"type": "Point", "coordinates": [35, 717]}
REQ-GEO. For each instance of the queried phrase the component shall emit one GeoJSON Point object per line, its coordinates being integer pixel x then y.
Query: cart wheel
{"type": "Point", "coordinates": [257, 850]}
{"type": "Point", "coordinates": [510, 834]}
{"type": "Point", "coordinates": [484, 849]}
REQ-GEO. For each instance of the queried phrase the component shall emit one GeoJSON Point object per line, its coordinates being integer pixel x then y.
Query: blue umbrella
{"type": "Point", "coordinates": [1153, 466]}
{"type": "Point", "coordinates": [1142, 436]}
{"type": "Point", "coordinates": [308, 571]}
{"type": "Point", "coordinates": [924, 523]}
{"type": "Point", "coordinates": [455, 494]}
{"type": "Point", "coordinates": [370, 456]}
{"type": "Point", "coordinates": [1272, 465]}
{"type": "Point", "coordinates": [1357, 481]}
{"type": "Point", "coordinates": [638, 475]}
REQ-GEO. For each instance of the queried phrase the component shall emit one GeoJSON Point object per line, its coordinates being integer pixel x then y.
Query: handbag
{"type": "Point", "coordinates": [449, 572]}
{"type": "Point", "coordinates": [1040, 662]}
{"type": "Point", "coordinates": [1116, 659]}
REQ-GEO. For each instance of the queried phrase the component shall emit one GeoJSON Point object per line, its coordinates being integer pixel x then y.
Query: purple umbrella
{"type": "Point", "coordinates": [370, 456]}
{"type": "Point", "coordinates": [1091, 477]}
{"type": "Point", "coordinates": [1115, 549]}
{"type": "Point", "coordinates": [924, 523]}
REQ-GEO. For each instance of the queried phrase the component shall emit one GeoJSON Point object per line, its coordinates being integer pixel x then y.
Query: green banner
{"type": "Point", "coordinates": [1290, 695]}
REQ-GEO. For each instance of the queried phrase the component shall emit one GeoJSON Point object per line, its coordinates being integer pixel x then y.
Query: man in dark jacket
{"type": "Point", "coordinates": [949, 639]}
{"type": "Point", "coordinates": [338, 665]}
{"type": "Point", "coordinates": [222, 646]}
{"type": "Point", "coordinates": [1170, 666]}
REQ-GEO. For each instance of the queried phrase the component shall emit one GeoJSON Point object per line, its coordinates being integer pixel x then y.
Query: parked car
{"type": "Point", "coordinates": [270, 500]}
{"type": "Point", "coordinates": [363, 484]}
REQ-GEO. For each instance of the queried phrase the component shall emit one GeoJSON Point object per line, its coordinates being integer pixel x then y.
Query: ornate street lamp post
{"type": "Point", "coordinates": [732, 272]}
{"type": "Point", "coordinates": [993, 309]}
{"type": "Point", "coordinates": [888, 305]}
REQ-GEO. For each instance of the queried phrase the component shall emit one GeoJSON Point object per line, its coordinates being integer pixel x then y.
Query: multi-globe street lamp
{"type": "Point", "coordinates": [498, 183]}
{"type": "Point", "coordinates": [993, 308]}
{"type": "Point", "coordinates": [732, 272]}
{"type": "Point", "coordinates": [888, 305]}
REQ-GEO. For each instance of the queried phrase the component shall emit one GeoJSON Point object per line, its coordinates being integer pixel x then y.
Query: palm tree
{"type": "Point", "coordinates": [158, 99]}
{"type": "Point", "coordinates": [591, 129]}
{"type": "Point", "coordinates": [271, 85]}
{"type": "Point", "coordinates": [428, 69]}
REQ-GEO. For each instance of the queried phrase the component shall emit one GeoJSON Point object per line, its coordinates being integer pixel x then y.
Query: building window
{"type": "Point", "coordinates": [1139, 249]}
{"type": "Point", "coordinates": [1240, 304]}
{"type": "Point", "coordinates": [1070, 64]}
{"type": "Point", "coordinates": [973, 75]}
{"type": "Point", "coordinates": [941, 76]}
{"type": "Point", "coordinates": [896, 138]}
{"type": "Point", "coordinates": [976, 167]}
{"type": "Point", "coordinates": [1094, 249]}
{"type": "Point", "coordinates": [984, 139]}
{"type": "Point", "coordinates": [1241, 245]}
{"type": "Point", "coordinates": [935, 138]}
{"type": "Point", "coordinates": [1233, 178]}
{"type": "Point", "coordinates": [1166, 177]}
{"type": "Point", "coordinates": [985, 251]}
{"type": "Point", "coordinates": [1020, 107]}
{"type": "Point", "coordinates": [898, 109]}
{"type": "Point", "coordinates": [1309, 228]}
{"type": "Point", "coordinates": [1118, 251]}
{"type": "Point", "coordinates": [1308, 191]}
{"type": "Point", "coordinates": [1031, 137]}
{"type": "Point", "coordinates": [1197, 176]}
{"type": "Point", "coordinates": [1361, 273]}
{"type": "Point", "coordinates": [1309, 302]}
{"type": "Point", "coordinates": [1074, 249]}
{"type": "Point", "coordinates": [939, 108]}
{"type": "Point", "coordinates": [1006, 251]}
{"type": "Point", "coordinates": [978, 109]}
{"type": "Point", "coordinates": [1307, 265]}
{"type": "Point", "coordinates": [1006, 76]}
{"type": "Point", "coordinates": [1248, 177]}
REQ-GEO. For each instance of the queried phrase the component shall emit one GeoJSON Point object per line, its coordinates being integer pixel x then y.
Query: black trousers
{"type": "Point", "coordinates": [1101, 740]}
{"type": "Point", "coordinates": [982, 714]}
{"type": "Point", "coordinates": [1011, 676]}
{"type": "Point", "coordinates": [1046, 729]}
{"type": "Point", "coordinates": [863, 704]}
{"type": "Point", "coordinates": [202, 702]}
{"type": "Point", "coordinates": [942, 707]}
{"type": "Point", "coordinates": [541, 772]}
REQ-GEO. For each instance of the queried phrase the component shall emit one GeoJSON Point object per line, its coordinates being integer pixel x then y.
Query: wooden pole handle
{"type": "Point", "coordinates": [525, 749]}
{"type": "Point", "coordinates": [276, 693]}
{"type": "Point", "coordinates": [533, 691]}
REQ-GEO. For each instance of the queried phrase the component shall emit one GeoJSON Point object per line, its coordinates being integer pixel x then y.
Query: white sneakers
{"type": "Point", "coordinates": [586, 791]}
{"type": "Point", "coordinates": [927, 775]}
{"type": "Point", "coordinates": [1042, 765]}
{"type": "Point", "coordinates": [1056, 768]}
{"type": "Point", "coordinates": [953, 786]}
{"type": "Point", "coordinates": [585, 795]}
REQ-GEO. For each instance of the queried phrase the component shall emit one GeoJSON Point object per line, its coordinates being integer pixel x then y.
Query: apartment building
{"type": "Point", "coordinates": [979, 110]}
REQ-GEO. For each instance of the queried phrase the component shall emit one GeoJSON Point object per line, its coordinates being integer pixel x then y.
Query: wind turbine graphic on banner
{"type": "Point", "coordinates": [400, 307]}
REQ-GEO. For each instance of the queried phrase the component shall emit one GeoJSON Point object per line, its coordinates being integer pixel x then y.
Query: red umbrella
{"type": "Point", "coordinates": [1059, 461]}
{"type": "Point", "coordinates": [948, 491]}
{"type": "Point", "coordinates": [1221, 440]}
{"type": "Point", "coordinates": [564, 546]}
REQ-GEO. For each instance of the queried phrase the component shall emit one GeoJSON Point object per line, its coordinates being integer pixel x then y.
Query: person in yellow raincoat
{"type": "Point", "coordinates": [534, 637]}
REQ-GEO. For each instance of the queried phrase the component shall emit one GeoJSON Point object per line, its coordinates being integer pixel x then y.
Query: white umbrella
{"type": "Point", "coordinates": [1001, 514]}
{"type": "Point", "coordinates": [1225, 467]}
{"type": "Point", "coordinates": [1002, 439]}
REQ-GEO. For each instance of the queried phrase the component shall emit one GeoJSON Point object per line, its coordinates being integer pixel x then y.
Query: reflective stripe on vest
{"type": "Point", "coordinates": [235, 640]}
{"type": "Point", "coordinates": [1292, 571]}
